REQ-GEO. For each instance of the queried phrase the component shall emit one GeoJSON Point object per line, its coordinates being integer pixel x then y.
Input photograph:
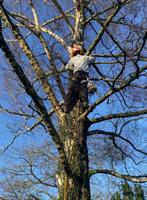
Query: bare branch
{"type": "Point", "coordinates": [39, 72]}
{"type": "Point", "coordinates": [47, 50]}
{"type": "Point", "coordinates": [36, 19]}
{"type": "Point", "coordinates": [31, 92]}
{"type": "Point", "coordinates": [58, 17]}
{"type": "Point", "coordinates": [119, 115]}
{"type": "Point", "coordinates": [113, 135]}
{"type": "Point", "coordinates": [105, 10]}
{"type": "Point", "coordinates": [63, 14]}
{"type": "Point", "coordinates": [132, 77]}
{"type": "Point", "coordinates": [101, 32]}
{"type": "Point", "coordinates": [2, 109]}
{"type": "Point", "coordinates": [25, 22]}
{"type": "Point", "coordinates": [55, 71]}
{"type": "Point", "coordinates": [79, 21]}
{"type": "Point", "coordinates": [12, 142]}
{"type": "Point", "coordinates": [135, 179]}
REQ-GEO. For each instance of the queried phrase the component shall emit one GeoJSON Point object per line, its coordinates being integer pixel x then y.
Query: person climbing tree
{"type": "Point", "coordinates": [78, 64]}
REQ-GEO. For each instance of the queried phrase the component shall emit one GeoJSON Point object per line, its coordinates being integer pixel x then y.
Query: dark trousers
{"type": "Point", "coordinates": [77, 90]}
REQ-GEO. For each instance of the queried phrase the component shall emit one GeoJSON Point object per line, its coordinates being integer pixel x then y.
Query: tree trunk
{"type": "Point", "coordinates": [74, 183]}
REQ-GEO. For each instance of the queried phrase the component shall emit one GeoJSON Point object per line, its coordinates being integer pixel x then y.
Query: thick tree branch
{"type": "Point", "coordinates": [79, 26]}
{"type": "Point", "coordinates": [135, 179]}
{"type": "Point", "coordinates": [47, 51]}
{"type": "Point", "coordinates": [36, 99]}
{"type": "Point", "coordinates": [39, 72]}
{"type": "Point", "coordinates": [36, 19]}
{"type": "Point", "coordinates": [27, 23]}
{"type": "Point", "coordinates": [119, 115]}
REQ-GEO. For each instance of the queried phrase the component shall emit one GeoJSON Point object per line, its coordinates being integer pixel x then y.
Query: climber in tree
{"type": "Point", "coordinates": [78, 64]}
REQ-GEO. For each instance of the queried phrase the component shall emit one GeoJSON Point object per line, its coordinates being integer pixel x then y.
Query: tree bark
{"type": "Point", "coordinates": [74, 183]}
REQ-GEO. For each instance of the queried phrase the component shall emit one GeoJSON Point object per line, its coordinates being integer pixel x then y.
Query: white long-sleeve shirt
{"type": "Point", "coordinates": [79, 62]}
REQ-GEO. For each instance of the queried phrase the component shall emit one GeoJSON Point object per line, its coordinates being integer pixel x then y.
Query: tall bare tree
{"type": "Point", "coordinates": [35, 37]}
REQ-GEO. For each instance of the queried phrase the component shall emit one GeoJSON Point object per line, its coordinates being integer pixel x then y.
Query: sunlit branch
{"type": "Point", "coordinates": [21, 17]}
{"type": "Point", "coordinates": [108, 32]}
{"type": "Point", "coordinates": [25, 47]}
{"type": "Point", "coordinates": [79, 21]}
{"type": "Point", "coordinates": [31, 26]}
{"type": "Point", "coordinates": [57, 37]}
{"type": "Point", "coordinates": [31, 92]}
{"type": "Point", "coordinates": [135, 179]}
{"type": "Point", "coordinates": [47, 51]}
{"type": "Point", "coordinates": [36, 19]}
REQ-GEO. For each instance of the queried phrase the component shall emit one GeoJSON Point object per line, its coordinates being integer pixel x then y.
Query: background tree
{"type": "Point", "coordinates": [139, 193]}
{"type": "Point", "coordinates": [116, 196]}
{"type": "Point", "coordinates": [129, 192]}
{"type": "Point", "coordinates": [109, 136]}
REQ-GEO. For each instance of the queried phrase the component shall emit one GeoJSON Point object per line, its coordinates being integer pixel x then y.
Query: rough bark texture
{"type": "Point", "coordinates": [74, 183]}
